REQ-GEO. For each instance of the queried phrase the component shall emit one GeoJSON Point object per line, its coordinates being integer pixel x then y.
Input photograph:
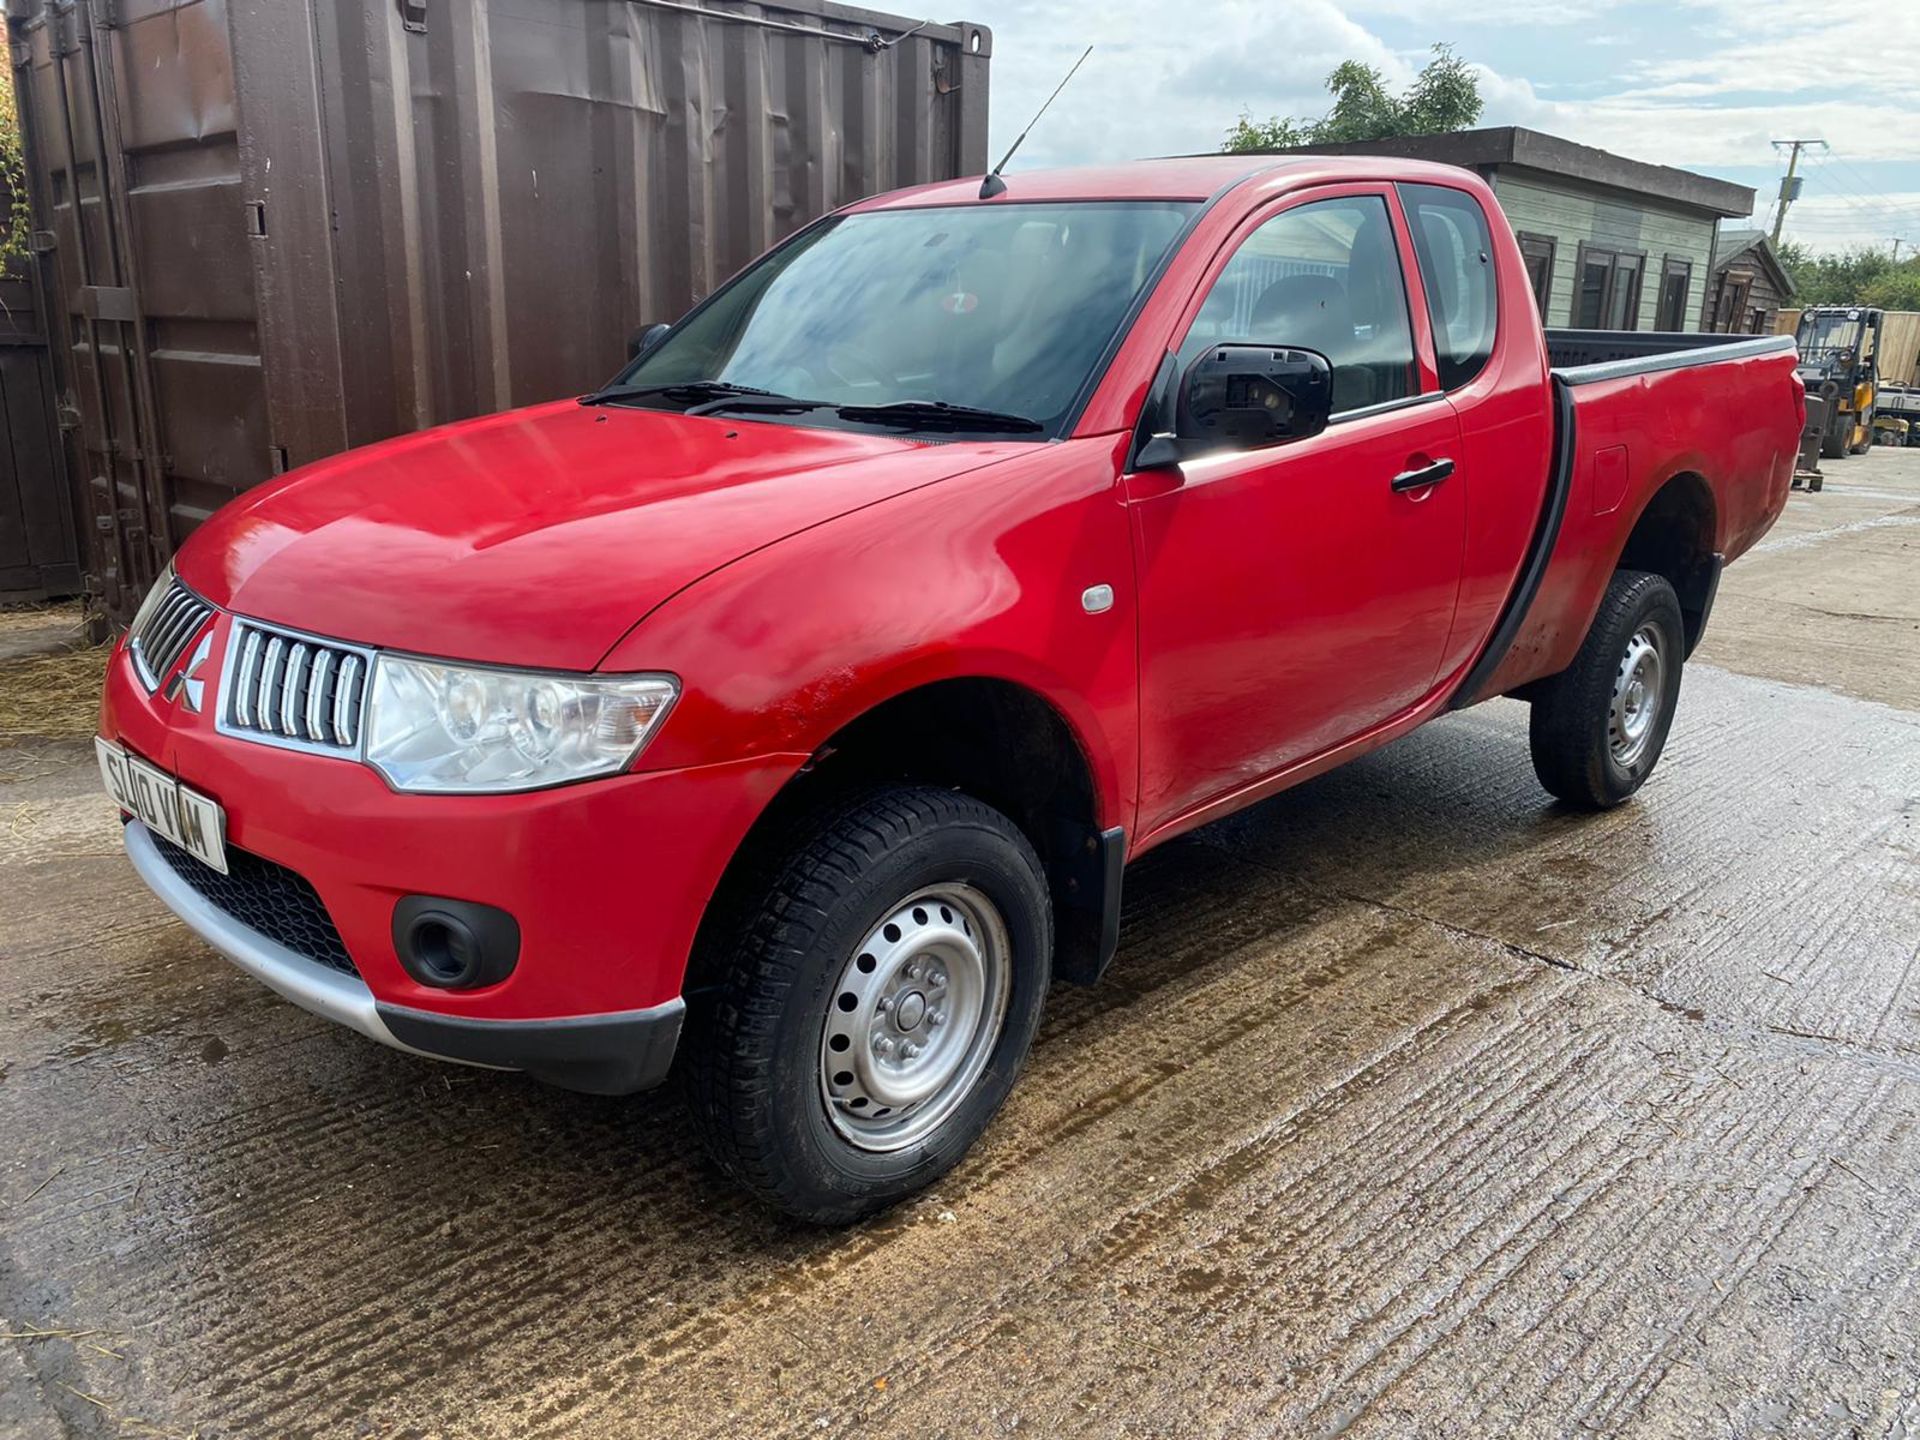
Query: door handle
{"type": "Point", "coordinates": [1423, 477]}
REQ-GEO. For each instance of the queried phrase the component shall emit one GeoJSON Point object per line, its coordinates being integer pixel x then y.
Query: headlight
{"type": "Point", "coordinates": [460, 729]}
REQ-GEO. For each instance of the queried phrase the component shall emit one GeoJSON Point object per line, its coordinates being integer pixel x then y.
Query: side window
{"type": "Point", "coordinates": [1326, 277]}
{"type": "Point", "coordinates": [1455, 250]}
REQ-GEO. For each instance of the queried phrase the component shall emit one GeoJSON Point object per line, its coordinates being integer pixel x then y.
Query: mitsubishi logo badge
{"type": "Point", "coordinates": [187, 682]}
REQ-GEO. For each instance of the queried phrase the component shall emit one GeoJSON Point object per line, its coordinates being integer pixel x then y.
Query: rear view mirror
{"type": "Point", "coordinates": [645, 338]}
{"type": "Point", "coordinates": [1241, 397]}
{"type": "Point", "coordinates": [1244, 397]}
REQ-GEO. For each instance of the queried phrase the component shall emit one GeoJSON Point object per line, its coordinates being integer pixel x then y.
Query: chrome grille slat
{"type": "Point", "coordinates": [269, 681]}
{"type": "Point", "coordinates": [345, 713]}
{"type": "Point", "coordinates": [290, 691]}
{"type": "Point", "coordinates": [293, 690]}
{"type": "Point", "coordinates": [316, 694]}
{"type": "Point", "coordinates": [249, 674]}
{"type": "Point", "coordinates": [158, 645]}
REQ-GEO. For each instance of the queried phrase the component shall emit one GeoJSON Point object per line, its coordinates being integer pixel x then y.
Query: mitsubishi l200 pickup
{"type": "Point", "coordinates": [785, 714]}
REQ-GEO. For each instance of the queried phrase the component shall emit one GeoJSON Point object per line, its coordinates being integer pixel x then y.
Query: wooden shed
{"type": "Point", "coordinates": [1749, 285]}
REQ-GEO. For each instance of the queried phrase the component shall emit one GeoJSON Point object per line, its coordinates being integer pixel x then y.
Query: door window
{"type": "Point", "coordinates": [1324, 276]}
{"type": "Point", "coordinates": [1455, 251]}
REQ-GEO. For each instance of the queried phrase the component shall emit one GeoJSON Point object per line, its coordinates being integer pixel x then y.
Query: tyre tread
{"type": "Point", "coordinates": [822, 854]}
{"type": "Point", "coordinates": [1561, 728]}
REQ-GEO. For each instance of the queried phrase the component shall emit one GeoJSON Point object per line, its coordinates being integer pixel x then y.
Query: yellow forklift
{"type": "Point", "coordinates": [1839, 346]}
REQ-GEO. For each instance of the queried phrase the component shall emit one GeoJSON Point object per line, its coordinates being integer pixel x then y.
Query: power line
{"type": "Point", "coordinates": [1829, 180]}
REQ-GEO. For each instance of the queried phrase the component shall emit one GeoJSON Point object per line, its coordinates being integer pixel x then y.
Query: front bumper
{"type": "Point", "coordinates": [607, 881]}
{"type": "Point", "coordinates": [603, 1054]}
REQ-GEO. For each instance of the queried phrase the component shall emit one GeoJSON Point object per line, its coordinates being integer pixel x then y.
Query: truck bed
{"type": "Point", "coordinates": [1633, 410]}
{"type": "Point", "coordinates": [1581, 357]}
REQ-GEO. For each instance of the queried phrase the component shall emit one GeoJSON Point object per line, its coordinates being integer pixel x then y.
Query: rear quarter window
{"type": "Point", "coordinates": [1455, 251]}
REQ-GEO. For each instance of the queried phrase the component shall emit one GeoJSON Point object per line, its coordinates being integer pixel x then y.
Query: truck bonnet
{"type": "Point", "coordinates": [538, 537]}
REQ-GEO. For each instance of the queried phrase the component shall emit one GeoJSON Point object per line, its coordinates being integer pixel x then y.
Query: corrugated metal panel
{"type": "Point", "coordinates": [283, 227]}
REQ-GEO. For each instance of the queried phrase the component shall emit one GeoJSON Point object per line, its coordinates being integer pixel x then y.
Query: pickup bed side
{"type": "Point", "coordinates": [1665, 475]}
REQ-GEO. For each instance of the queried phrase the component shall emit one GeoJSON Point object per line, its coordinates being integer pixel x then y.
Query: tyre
{"type": "Point", "coordinates": [882, 989]}
{"type": "Point", "coordinates": [1833, 445]}
{"type": "Point", "coordinates": [1598, 727]}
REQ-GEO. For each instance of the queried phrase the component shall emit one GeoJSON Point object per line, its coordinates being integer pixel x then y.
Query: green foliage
{"type": "Point", "coordinates": [1444, 96]}
{"type": "Point", "coordinates": [16, 220]}
{"type": "Point", "coordinates": [1864, 276]}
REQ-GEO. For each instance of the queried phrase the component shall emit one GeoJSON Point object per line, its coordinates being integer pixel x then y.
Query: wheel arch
{"type": "Point", "coordinates": [1676, 536]}
{"type": "Point", "coordinates": [1001, 740]}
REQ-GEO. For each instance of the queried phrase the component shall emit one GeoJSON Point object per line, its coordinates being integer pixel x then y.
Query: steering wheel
{"type": "Point", "coordinates": [848, 367]}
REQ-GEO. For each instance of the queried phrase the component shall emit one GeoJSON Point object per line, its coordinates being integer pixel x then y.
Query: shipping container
{"type": "Point", "coordinates": [273, 229]}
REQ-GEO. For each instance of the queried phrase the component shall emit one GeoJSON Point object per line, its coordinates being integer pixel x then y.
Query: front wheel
{"type": "Point", "coordinates": [1599, 726]}
{"type": "Point", "coordinates": [885, 985]}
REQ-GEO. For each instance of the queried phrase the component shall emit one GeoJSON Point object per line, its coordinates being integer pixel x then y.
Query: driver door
{"type": "Point", "coordinates": [1295, 597]}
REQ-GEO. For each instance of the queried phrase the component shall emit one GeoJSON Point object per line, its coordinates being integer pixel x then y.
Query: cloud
{"type": "Point", "coordinates": [1701, 84]}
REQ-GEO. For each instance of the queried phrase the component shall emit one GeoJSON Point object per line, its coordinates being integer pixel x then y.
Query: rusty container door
{"type": "Point", "coordinates": [279, 228]}
{"type": "Point", "coordinates": [82, 166]}
{"type": "Point", "coordinates": [39, 523]}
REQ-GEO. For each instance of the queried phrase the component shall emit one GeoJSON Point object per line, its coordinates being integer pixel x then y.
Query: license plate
{"type": "Point", "coordinates": [161, 803]}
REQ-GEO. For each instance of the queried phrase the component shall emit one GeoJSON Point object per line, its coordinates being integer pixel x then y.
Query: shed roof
{"type": "Point", "coordinates": [1732, 244]}
{"type": "Point", "coordinates": [1514, 145]}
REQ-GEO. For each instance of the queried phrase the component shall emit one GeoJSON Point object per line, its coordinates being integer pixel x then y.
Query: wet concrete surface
{"type": "Point", "coordinates": [1413, 1105]}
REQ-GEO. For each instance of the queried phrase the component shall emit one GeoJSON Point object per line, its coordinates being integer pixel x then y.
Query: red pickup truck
{"type": "Point", "coordinates": [786, 712]}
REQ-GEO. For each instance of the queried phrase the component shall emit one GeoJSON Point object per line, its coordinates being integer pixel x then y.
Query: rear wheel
{"type": "Point", "coordinates": [884, 988]}
{"type": "Point", "coordinates": [1598, 727]}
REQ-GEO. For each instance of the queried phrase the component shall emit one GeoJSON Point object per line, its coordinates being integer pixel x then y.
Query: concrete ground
{"type": "Point", "coordinates": [1413, 1104]}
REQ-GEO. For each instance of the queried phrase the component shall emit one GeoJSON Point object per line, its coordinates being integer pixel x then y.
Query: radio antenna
{"type": "Point", "coordinates": [993, 185]}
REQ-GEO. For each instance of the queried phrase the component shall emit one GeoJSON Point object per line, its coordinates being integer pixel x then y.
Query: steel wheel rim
{"type": "Point", "coordinates": [914, 1017]}
{"type": "Point", "coordinates": [1638, 696]}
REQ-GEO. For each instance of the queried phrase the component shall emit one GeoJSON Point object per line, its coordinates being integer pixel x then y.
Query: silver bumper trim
{"type": "Point", "coordinates": [343, 999]}
{"type": "Point", "coordinates": [609, 1054]}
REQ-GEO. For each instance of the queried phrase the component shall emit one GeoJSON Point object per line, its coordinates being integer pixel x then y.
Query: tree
{"type": "Point", "coordinates": [1444, 96]}
{"type": "Point", "coordinates": [1863, 276]}
{"type": "Point", "coordinates": [15, 220]}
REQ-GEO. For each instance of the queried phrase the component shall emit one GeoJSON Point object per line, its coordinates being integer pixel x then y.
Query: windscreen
{"type": "Point", "coordinates": [1822, 334]}
{"type": "Point", "coordinates": [1004, 308]}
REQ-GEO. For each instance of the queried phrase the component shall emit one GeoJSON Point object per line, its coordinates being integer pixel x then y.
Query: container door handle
{"type": "Point", "coordinates": [1423, 477]}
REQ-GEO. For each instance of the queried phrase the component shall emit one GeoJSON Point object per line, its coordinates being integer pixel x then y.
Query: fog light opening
{"type": "Point", "coordinates": [454, 944]}
{"type": "Point", "coordinates": [446, 950]}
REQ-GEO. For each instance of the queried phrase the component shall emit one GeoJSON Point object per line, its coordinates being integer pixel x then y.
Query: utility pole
{"type": "Point", "coordinates": [1898, 241]}
{"type": "Point", "coordinates": [1790, 187]}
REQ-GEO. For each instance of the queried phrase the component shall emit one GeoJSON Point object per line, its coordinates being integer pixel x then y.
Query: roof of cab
{"type": "Point", "coordinates": [1181, 177]}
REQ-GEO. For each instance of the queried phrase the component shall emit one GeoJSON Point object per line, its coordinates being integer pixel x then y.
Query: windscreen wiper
{"type": "Point", "coordinates": [693, 392]}
{"type": "Point", "coordinates": [939, 415]}
{"type": "Point", "coordinates": [758, 402]}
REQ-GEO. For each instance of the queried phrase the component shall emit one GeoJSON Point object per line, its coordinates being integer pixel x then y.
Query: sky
{"type": "Point", "coordinates": [1702, 84]}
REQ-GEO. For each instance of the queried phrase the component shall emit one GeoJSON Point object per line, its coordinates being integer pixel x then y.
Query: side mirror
{"type": "Point", "coordinates": [645, 338]}
{"type": "Point", "coordinates": [1244, 397]}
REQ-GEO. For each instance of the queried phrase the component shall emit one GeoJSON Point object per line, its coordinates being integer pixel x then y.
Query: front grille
{"type": "Point", "coordinates": [290, 689]}
{"type": "Point", "coordinates": [266, 898]}
{"type": "Point", "coordinates": [158, 644]}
